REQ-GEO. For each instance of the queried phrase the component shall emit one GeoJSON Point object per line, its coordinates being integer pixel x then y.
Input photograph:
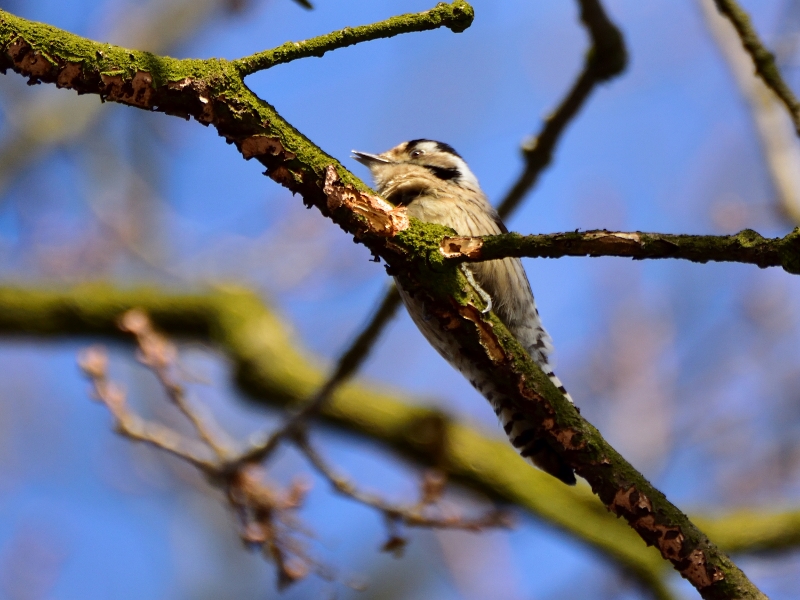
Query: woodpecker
{"type": "Point", "coordinates": [435, 184]}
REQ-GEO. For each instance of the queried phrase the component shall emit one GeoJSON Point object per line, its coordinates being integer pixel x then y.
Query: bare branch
{"type": "Point", "coordinates": [159, 355]}
{"type": "Point", "coordinates": [93, 362]}
{"type": "Point", "coordinates": [264, 511]}
{"type": "Point", "coordinates": [763, 59]}
{"type": "Point", "coordinates": [774, 125]}
{"type": "Point", "coordinates": [605, 59]}
{"type": "Point", "coordinates": [267, 521]}
{"type": "Point", "coordinates": [411, 516]}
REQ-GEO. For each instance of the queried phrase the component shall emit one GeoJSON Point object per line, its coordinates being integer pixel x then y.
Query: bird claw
{"type": "Point", "coordinates": [480, 291]}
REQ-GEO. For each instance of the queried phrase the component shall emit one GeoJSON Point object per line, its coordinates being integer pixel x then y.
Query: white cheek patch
{"type": "Point", "coordinates": [467, 176]}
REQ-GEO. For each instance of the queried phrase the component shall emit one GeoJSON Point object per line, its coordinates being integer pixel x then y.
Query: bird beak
{"type": "Point", "coordinates": [367, 159]}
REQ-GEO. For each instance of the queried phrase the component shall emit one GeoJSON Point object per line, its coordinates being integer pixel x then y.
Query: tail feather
{"type": "Point", "coordinates": [559, 386]}
{"type": "Point", "coordinates": [521, 432]}
{"type": "Point", "coordinates": [519, 427]}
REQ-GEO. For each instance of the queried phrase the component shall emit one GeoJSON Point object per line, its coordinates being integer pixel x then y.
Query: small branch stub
{"type": "Point", "coordinates": [457, 246]}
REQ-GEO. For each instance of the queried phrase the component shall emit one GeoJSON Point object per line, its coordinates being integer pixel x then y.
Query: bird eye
{"type": "Point", "coordinates": [416, 153]}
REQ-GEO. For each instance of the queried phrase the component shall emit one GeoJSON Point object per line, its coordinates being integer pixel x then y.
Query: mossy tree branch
{"type": "Point", "coordinates": [456, 17]}
{"type": "Point", "coordinates": [747, 246]}
{"type": "Point", "coordinates": [763, 59]}
{"type": "Point", "coordinates": [213, 92]}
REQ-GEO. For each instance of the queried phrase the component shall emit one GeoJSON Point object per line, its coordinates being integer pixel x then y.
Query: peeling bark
{"type": "Point", "coordinates": [259, 145]}
{"type": "Point", "coordinates": [486, 334]}
{"type": "Point", "coordinates": [379, 217]}
{"type": "Point", "coordinates": [461, 247]}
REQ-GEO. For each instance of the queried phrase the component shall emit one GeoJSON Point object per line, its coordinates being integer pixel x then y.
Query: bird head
{"type": "Point", "coordinates": [417, 158]}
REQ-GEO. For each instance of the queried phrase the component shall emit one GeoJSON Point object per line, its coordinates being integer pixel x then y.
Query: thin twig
{"type": "Point", "coordinates": [606, 59]}
{"type": "Point", "coordinates": [412, 515]}
{"type": "Point", "coordinates": [763, 59]}
{"type": "Point", "coordinates": [456, 16]}
{"type": "Point", "coordinates": [94, 363]}
{"type": "Point", "coordinates": [358, 351]}
{"type": "Point", "coordinates": [266, 513]}
{"type": "Point", "coordinates": [266, 516]}
{"type": "Point", "coordinates": [159, 355]}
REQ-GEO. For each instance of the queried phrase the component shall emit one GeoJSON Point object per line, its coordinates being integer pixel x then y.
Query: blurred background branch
{"type": "Point", "coordinates": [56, 119]}
{"type": "Point", "coordinates": [271, 368]}
{"type": "Point", "coordinates": [605, 59]}
{"type": "Point", "coordinates": [763, 59]}
{"type": "Point", "coordinates": [776, 130]}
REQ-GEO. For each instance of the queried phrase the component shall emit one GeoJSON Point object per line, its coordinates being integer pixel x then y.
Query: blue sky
{"type": "Point", "coordinates": [690, 370]}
